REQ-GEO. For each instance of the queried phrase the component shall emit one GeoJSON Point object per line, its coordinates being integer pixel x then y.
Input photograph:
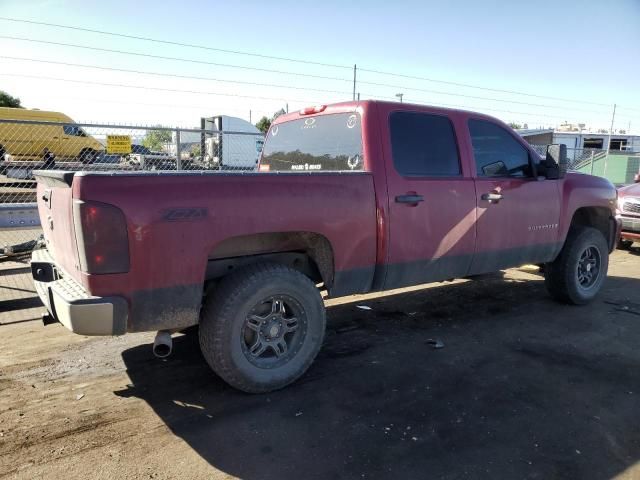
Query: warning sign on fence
{"type": "Point", "coordinates": [119, 144]}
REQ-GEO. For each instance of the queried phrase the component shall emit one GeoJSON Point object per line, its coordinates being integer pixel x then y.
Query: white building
{"type": "Point", "coordinates": [580, 140]}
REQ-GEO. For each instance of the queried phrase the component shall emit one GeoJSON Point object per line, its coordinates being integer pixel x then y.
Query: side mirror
{"type": "Point", "coordinates": [495, 169]}
{"type": "Point", "coordinates": [554, 165]}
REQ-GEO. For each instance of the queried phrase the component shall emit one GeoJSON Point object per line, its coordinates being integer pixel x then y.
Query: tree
{"type": "Point", "coordinates": [515, 126]}
{"type": "Point", "coordinates": [194, 152]}
{"type": "Point", "coordinates": [7, 100]}
{"type": "Point", "coordinates": [265, 122]}
{"type": "Point", "coordinates": [278, 113]}
{"type": "Point", "coordinates": [156, 139]}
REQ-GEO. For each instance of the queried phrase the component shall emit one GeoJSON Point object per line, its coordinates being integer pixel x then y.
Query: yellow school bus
{"type": "Point", "coordinates": [30, 141]}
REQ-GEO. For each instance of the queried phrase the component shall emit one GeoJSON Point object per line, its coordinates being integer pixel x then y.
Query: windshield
{"type": "Point", "coordinates": [320, 143]}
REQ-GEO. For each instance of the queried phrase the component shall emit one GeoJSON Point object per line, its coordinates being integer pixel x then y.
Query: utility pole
{"type": "Point", "coordinates": [250, 117]}
{"type": "Point", "coordinates": [178, 154]}
{"type": "Point", "coordinates": [355, 68]}
{"type": "Point", "coordinates": [287, 105]}
{"type": "Point", "coordinates": [606, 158]}
{"type": "Point", "coordinates": [400, 95]}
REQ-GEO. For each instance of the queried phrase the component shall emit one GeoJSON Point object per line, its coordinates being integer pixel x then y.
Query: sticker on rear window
{"type": "Point", "coordinates": [330, 142]}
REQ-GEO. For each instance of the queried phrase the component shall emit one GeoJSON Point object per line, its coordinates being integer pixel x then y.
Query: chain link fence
{"type": "Point", "coordinates": [619, 166]}
{"type": "Point", "coordinates": [578, 158]}
{"type": "Point", "coordinates": [26, 146]}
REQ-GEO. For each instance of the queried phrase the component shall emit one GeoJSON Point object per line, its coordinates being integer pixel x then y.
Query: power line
{"type": "Point", "coordinates": [629, 108]}
{"type": "Point", "coordinates": [179, 44]}
{"type": "Point", "coordinates": [199, 92]}
{"type": "Point", "coordinates": [260, 98]}
{"type": "Point", "coordinates": [177, 59]}
{"type": "Point", "coordinates": [288, 59]}
{"type": "Point", "coordinates": [464, 107]}
{"type": "Point", "coordinates": [154, 104]}
{"type": "Point", "coordinates": [173, 75]}
{"type": "Point", "coordinates": [144, 87]}
{"type": "Point", "coordinates": [118, 85]}
{"type": "Point", "coordinates": [457, 84]}
{"type": "Point", "coordinates": [401, 87]}
{"type": "Point", "coordinates": [419, 101]}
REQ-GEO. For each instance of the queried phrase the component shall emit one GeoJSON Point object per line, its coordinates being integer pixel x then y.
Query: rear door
{"type": "Point", "coordinates": [431, 201]}
{"type": "Point", "coordinates": [517, 213]}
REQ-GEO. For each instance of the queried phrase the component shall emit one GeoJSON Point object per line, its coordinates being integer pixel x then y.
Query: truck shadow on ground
{"type": "Point", "coordinates": [523, 388]}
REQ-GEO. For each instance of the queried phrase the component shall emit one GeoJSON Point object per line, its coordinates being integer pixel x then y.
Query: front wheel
{"type": "Point", "coordinates": [576, 276]}
{"type": "Point", "coordinates": [262, 327]}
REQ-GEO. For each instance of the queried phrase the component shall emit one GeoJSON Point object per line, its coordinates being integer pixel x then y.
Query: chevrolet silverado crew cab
{"type": "Point", "coordinates": [349, 198]}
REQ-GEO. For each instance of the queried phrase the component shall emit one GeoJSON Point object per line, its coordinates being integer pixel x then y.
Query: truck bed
{"type": "Point", "coordinates": [177, 223]}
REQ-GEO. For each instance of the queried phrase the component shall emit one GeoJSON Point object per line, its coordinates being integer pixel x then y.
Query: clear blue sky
{"type": "Point", "coordinates": [585, 51]}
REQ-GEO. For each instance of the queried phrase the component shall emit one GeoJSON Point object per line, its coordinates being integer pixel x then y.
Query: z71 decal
{"type": "Point", "coordinates": [184, 214]}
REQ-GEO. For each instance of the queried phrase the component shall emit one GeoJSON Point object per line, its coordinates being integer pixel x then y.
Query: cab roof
{"type": "Point", "coordinates": [361, 105]}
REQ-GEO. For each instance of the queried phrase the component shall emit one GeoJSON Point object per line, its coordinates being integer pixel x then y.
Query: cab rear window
{"type": "Point", "coordinates": [320, 143]}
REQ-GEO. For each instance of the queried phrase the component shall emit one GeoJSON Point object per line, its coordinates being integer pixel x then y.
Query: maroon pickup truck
{"type": "Point", "coordinates": [350, 198]}
{"type": "Point", "coordinates": [629, 214]}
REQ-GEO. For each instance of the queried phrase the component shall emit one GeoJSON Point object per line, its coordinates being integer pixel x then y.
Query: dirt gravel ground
{"type": "Point", "coordinates": [522, 388]}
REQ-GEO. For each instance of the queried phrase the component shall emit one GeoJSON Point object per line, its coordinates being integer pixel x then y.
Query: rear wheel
{"type": "Point", "coordinates": [576, 276]}
{"type": "Point", "coordinates": [262, 327]}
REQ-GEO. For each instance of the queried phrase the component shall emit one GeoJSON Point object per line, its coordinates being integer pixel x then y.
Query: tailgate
{"type": "Point", "coordinates": [55, 208]}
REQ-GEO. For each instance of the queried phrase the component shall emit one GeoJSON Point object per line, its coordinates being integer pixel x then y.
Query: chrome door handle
{"type": "Point", "coordinates": [410, 199]}
{"type": "Point", "coordinates": [492, 197]}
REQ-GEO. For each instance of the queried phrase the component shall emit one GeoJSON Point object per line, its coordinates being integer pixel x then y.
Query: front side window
{"type": "Point", "coordinates": [314, 143]}
{"type": "Point", "coordinates": [73, 130]}
{"type": "Point", "coordinates": [497, 153]}
{"type": "Point", "coordinates": [423, 145]}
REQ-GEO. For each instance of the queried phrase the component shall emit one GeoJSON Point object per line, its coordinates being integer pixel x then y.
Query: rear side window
{"type": "Point", "coordinates": [496, 152]}
{"type": "Point", "coordinates": [423, 145]}
{"type": "Point", "coordinates": [320, 143]}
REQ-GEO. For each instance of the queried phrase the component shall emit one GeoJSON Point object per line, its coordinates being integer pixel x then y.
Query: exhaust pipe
{"type": "Point", "coordinates": [162, 344]}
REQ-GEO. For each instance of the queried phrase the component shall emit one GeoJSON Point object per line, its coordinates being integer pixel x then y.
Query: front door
{"type": "Point", "coordinates": [517, 213]}
{"type": "Point", "coordinates": [431, 204]}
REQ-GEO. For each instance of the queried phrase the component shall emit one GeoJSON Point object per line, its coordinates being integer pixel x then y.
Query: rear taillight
{"type": "Point", "coordinates": [101, 234]}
